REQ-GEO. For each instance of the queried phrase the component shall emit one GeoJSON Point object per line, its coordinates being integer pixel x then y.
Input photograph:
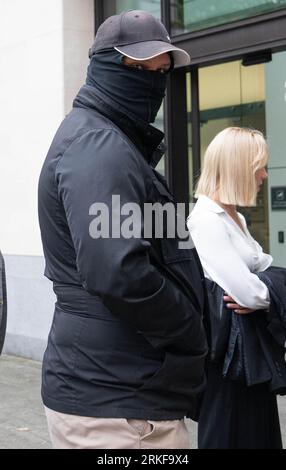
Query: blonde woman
{"type": "Point", "coordinates": [233, 415]}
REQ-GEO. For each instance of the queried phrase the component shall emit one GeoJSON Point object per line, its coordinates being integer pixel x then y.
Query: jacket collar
{"type": "Point", "coordinates": [147, 138]}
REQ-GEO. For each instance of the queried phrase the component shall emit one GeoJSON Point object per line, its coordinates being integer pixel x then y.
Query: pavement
{"type": "Point", "coordinates": [22, 418]}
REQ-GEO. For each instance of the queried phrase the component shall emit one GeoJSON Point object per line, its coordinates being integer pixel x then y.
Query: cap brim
{"type": "Point", "coordinates": [150, 49]}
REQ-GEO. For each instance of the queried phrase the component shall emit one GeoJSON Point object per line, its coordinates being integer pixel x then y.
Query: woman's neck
{"type": "Point", "coordinates": [229, 208]}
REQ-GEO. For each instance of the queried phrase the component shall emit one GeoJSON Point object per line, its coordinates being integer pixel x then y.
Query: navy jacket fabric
{"type": "Point", "coordinates": [256, 348]}
{"type": "Point", "coordinates": [127, 338]}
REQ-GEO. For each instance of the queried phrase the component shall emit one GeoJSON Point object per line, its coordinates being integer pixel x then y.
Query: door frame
{"type": "Point", "coordinates": [251, 39]}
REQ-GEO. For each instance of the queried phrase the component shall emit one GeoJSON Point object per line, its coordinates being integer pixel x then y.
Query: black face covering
{"type": "Point", "coordinates": [140, 92]}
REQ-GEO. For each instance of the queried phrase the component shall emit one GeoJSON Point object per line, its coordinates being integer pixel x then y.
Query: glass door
{"type": "Point", "coordinates": [231, 94]}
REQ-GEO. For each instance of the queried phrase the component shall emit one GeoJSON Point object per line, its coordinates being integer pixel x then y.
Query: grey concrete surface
{"type": "Point", "coordinates": [22, 419]}
{"type": "Point", "coordinates": [30, 306]}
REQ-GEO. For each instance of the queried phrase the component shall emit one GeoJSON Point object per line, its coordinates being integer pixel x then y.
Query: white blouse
{"type": "Point", "coordinates": [229, 256]}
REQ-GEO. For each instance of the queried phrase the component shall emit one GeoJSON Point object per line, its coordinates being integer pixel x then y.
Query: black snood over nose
{"type": "Point", "coordinates": [140, 92]}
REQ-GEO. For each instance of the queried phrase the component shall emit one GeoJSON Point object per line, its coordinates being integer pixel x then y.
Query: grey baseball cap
{"type": "Point", "coordinates": [139, 35]}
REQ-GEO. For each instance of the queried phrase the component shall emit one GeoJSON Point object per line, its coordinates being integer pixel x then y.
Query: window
{"type": "Point", "coordinates": [234, 95]}
{"type": "Point", "coordinates": [111, 7]}
{"type": "Point", "coordinates": [194, 15]}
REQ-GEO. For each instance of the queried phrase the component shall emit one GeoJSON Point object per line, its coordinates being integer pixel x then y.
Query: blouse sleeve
{"type": "Point", "coordinates": [224, 265]}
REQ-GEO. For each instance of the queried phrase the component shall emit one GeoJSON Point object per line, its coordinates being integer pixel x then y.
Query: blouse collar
{"type": "Point", "coordinates": [208, 203]}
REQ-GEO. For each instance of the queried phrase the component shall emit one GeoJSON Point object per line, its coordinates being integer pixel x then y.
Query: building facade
{"type": "Point", "coordinates": [43, 58]}
{"type": "Point", "coordinates": [237, 77]}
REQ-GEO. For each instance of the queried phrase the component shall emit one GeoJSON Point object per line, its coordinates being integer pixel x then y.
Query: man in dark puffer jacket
{"type": "Point", "coordinates": [125, 357]}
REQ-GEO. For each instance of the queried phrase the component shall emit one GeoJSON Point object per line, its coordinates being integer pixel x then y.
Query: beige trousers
{"type": "Point", "coordinates": [80, 432]}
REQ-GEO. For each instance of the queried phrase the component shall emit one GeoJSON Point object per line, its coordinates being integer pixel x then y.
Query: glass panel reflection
{"type": "Point", "coordinates": [233, 95]}
{"type": "Point", "coordinates": [111, 7]}
{"type": "Point", "coordinates": [194, 15]}
{"type": "Point", "coordinates": [159, 123]}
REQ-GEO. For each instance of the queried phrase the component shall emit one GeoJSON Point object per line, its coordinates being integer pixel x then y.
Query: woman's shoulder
{"type": "Point", "coordinates": [205, 210]}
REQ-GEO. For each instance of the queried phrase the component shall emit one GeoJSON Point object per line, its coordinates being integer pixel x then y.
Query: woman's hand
{"type": "Point", "coordinates": [234, 306]}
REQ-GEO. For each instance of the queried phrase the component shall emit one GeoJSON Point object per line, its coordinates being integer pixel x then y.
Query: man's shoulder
{"type": "Point", "coordinates": [81, 121]}
{"type": "Point", "coordinates": [83, 125]}
{"type": "Point", "coordinates": [94, 142]}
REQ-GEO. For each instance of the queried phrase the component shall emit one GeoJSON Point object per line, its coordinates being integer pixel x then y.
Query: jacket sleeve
{"type": "Point", "coordinates": [99, 167]}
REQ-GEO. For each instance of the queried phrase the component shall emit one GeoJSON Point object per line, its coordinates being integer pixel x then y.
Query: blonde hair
{"type": "Point", "coordinates": [231, 161]}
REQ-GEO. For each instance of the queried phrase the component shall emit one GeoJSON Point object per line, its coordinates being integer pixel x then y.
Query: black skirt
{"type": "Point", "coordinates": [234, 416]}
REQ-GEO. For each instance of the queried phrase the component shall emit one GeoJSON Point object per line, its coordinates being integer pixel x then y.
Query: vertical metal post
{"type": "Point", "coordinates": [196, 131]}
{"type": "Point", "coordinates": [166, 14]}
{"type": "Point", "coordinates": [177, 136]}
{"type": "Point", "coordinates": [98, 14]}
{"type": "Point", "coordinates": [175, 119]}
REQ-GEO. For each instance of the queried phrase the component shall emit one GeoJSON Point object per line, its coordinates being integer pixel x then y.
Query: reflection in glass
{"type": "Point", "coordinates": [194, 15]}
{"type": "Point", "coordinates": [159, 123]}
{"type": "Point", "coordinates": [111, 7]}
{"type": "Point", "coordinates": [233, 95]}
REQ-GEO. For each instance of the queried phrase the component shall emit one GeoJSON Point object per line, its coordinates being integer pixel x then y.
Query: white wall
{"type": "Point", "coordinates": [32, 106]}
{"type": "Point", "coordinates": [30, 306]}
{"type": "Point", "coordinates": [43, 58]}
{"type": "Point", "coordinates": [78, 37]}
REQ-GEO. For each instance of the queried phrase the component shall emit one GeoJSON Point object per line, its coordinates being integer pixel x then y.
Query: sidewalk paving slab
{"type": "Point", "coordinates": [22, 418]}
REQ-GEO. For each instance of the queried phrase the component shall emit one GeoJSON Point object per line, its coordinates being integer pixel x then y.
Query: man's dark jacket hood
{"type": "Point", "coordinates": [147, 138]}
